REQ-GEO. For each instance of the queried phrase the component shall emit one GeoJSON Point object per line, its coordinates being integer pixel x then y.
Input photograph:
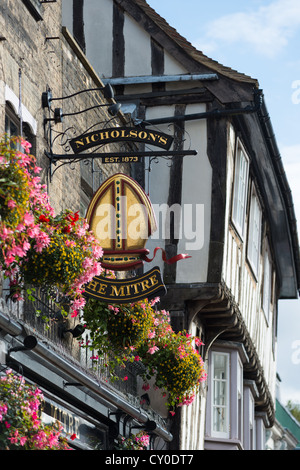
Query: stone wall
{"type": "Point", "coordinates": [40, 55]}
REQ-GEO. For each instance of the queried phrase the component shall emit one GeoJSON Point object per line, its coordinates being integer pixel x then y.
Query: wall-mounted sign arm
{"type": "Point", "coordinates": [85, 156]}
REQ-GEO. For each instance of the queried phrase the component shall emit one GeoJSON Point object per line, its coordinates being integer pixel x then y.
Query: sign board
{"type": "Point", "coordinates": [117, 291]}
{"type": "Point", "coordinates": [121, 217]}
{"type": "Point", "coordinates": [121, 159]}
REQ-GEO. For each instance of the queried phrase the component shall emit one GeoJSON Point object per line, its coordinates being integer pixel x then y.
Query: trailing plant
{"type": "Point", "coordinates": [116, 331]}
{"type": "Point", "coordinates": [139, 332]}
{"type": "Point", "coordinates": [20, 425]}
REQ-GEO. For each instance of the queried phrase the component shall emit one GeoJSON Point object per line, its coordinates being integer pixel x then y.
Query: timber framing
{"type": "Point", "coordinates": [217, 311]}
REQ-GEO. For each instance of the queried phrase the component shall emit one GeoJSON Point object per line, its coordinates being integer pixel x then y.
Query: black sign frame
{"type": "Point", "coordinates": [120, 291]}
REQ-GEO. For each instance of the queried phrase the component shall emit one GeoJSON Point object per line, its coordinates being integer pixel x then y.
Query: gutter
{"type": "Point", "coordinates": [269, 134]}
{"type": "Point", "coordinates": [160, 79]}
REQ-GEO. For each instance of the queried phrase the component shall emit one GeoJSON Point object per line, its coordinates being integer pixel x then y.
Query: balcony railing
{"type": "Point", "coordinates": [44, 314]}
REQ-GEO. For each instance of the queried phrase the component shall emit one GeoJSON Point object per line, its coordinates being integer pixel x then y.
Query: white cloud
{"type": "Point", "coordinates": [267, 29]}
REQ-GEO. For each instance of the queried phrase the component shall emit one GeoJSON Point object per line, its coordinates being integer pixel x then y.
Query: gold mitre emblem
{"type": "Point", "coordinates": [121, 217]}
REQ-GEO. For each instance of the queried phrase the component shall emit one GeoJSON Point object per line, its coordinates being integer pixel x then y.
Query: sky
{"type": "Point", "coordinates": [260, 38]}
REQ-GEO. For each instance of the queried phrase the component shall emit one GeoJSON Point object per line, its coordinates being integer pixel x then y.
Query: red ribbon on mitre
{"type": "Point", "coordinates": [172, 260]}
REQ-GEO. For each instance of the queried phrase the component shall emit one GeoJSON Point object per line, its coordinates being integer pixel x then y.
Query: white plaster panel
{"type": "Point", "coordinates": [157, 183]}
{"type": "Point", "coordinates": [196, 192]}
{"type": "Point", "coordinates": [137, 49]}
{"type": "Point", "coordinates": [172, 66]}
{"type": "Point", "coordinates": [98, 20]}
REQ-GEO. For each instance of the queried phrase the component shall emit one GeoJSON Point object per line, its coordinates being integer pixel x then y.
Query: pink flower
{"type": "Point", "coordinates": [154, 301]}
{"type": "Point", "coordinates": [198, 342]}
{"type": "Point", "coordinates": [137, 358]}
{"type": "Point", "coordinates": [125, 378]}
{"type": "Point", "coordinates": [172, 413]}
{"type": "Point", "coordinates": [11, 204]}
{"type": "Point", "coordinates": [23, 440]}
{"type": "Point", "coordinates": [153, 349]}
{"type": "Point", "coordinates": [145, 387]}
{"type": "Point", "coordinates": [28, 219]}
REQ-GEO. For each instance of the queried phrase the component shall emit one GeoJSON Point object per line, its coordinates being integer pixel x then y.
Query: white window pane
{"type": "Point", "coordinates": [220, 395]}
{"type": "Point", "coordinates": [267, 285]}
{"type": "Point", "coordinates": [254, 233]}
{"type": "Point", "coordinates": [240, 190]}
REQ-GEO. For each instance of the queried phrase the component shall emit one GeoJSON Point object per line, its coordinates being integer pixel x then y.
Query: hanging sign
{"type": "Point", "coordinates": [119, 134]}
{"type": "Point", "coordinates": [117, 291]}
{"type": "Point", "coordinates": [121, 159]}
{"type": "Point", "coordinates": [121, 217]}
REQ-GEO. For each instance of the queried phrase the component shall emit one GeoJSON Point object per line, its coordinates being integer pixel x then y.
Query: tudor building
{"type": "Point", "coordinates": [221, 196]}
{"type": "Point", "coordinates": [242, 236]}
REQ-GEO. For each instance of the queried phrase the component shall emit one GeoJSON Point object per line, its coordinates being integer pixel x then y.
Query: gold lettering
{"type": "Point", "coordinates": [135, 287]}
{"type": "Point", "coordinates": [71, 431]}
{"type": "Point", "coordinates": [104, 135]}
{"type": "Point", "coordinates": [115, 134]}
{"type": "Point", "coordinates": [145, 284]}
{"type": "Point", "coordinates": [127, 290]}
{"type": "Point", "coordinates": [133, 133]}
{"type": "Point", "coordinates": [76, 430]}
{"type": "Point", "coordinates": [153, 280]}
{"type": "Point", "coordinates": [153, 136]}
{"type": "Point", "coordinates": [143, 135]}
{"type": "Point", "coordinates": [93, 285]}
{"type": "Point", "coordinates": [117, 292]}
{"type": "Point", "coordinates": [78, 143]}
{"type": "Point", "coordinates": [95, 137]}
{"type": "Point", "coordinates": [163, 140]}
{"type": "Point", "coordinates": [64, 419]}
{"type": "Point", "coordinates": [102, 288]}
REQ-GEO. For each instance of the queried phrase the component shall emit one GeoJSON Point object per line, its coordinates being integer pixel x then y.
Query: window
{"type": "Point", "coordinates": [250, 393]}
{"type": "Point", "coordinates": [267, 285]}
{"type": "Point", "coordinates": [12, 123]}
{"type": "Point", "coordinates": [13, 128]}
{"type": "Point", "coordinates": [225, 398]}
{"type": "Point", "coordinates": [34, 6]}
{"type": "Point", "coordinates": [240, 190]}
{"type": "Point", "coordinates": [239, 399]}
{"type": "Point", "coordinates": [220, 394]}
{"type": "Point", "coordinates": [254, 233]}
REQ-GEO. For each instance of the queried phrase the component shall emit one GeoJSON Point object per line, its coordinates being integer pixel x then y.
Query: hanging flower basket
{"type": "Point", "coordinates": [138, 332]}
{"type": "Point", "coordinates": [128, 325]}
{"type": "Point", "coordinates": [20, 424]}
{"type": "Point", "coordinates": [178, 367]}
{"type": "Point", "coordinates": [38, 247]}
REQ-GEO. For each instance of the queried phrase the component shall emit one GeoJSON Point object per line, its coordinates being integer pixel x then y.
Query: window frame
{"type": "Point", "coordinates": [34, 7]}
{"type": "Point", "coordinates": [215, 433]}
{"type": "Point", "coordinates": [239, 209]}
{"type": "Point", "coordinates": [267, 284]}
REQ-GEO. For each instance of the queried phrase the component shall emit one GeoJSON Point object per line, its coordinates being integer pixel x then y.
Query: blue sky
{"type": "Point", "coordinates": [260, 38]}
